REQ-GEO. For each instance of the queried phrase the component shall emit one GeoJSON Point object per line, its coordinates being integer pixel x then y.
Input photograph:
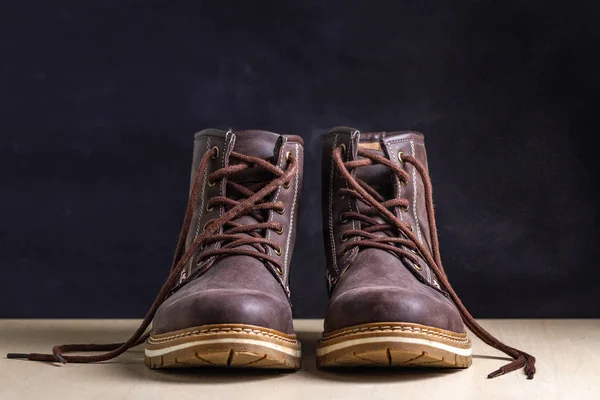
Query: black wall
{"type": "Point", "coordinates": [99, 101]}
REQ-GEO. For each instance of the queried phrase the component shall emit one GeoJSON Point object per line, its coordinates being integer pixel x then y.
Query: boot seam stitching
{"type": "Point", "coordinates": [188, 269]}
{"type": "Point", "coordinates": [289, 236]}
{"type": "Point", "coordinates": [279, 162]}
{"type": "Point", "coordinates": [331, 233]}
{"type": "Point", "coordinates": [396, 181]}
{"type": "Point", "coordinates": [400, 328]}
{"type": "Point", "coordinates": [414, 176]}
{"type": "Point", "coordinates": [417, 223]}
{"type": "Point", "coordinates": [204, 332]}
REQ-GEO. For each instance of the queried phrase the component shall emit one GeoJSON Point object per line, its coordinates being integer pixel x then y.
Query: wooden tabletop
{"type": "Point", "coordinates": [568, 353]}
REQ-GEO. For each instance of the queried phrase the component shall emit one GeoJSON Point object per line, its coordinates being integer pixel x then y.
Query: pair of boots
{"type": "Point", "coordinates": [227, 300]}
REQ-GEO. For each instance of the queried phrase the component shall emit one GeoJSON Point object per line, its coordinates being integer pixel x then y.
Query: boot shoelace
{"type": "Point", "coordinates": [379, 206]}
{"type": "Point", "coordinates": [249, 202]}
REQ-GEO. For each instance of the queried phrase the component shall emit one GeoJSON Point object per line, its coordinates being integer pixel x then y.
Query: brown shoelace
{"type": "Point", "coordinates": [379, 206]}
{"type": "Point", "coordinates": [234, 235]}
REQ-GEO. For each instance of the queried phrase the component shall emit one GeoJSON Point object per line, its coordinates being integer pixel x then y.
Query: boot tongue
{"type": "Point", "coordinates": [255, 143]}
{"type": "Point", "coordinates": [378, 176]}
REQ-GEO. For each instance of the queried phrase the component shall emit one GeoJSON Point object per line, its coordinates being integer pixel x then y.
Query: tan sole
{"type": "Point", "coordinates": [223, 345]}
{"type": "Point", "coordinates": [391, 344]}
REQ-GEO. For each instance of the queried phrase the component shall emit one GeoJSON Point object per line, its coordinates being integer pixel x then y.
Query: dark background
{"type": "Point", "coordinates": [99, 102]}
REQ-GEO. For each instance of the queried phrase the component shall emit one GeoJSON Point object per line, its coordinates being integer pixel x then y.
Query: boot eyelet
{"type": "Point", "coordinates": [340, 196]}
{"type": "Point", "coordinates": [288, 156]}
{"type": "Point", "coordinates": [279, 231]}
{"type": "Point", "coordinates": [404, 183]}
{"type": "Point", "coordinates": [405, 208]}
{"type": "Point", "coordinates": [436, 284]}
{"type": "Point", "coordinates": [209, 209]}
{"type": "Point", "coordinates": [400, 154]}
{"type": "Point", "coordinates": [281, 212]}
{"type": "Point", "coordinates": [206, 225]}
{"type": "Point", "coordinates": [277, 251]}
{"type": "Point", "coordinates": [417, 267]}
{"type": "Point", "coordinates": [343, 238]}
{"type": "Point", "coordinates": [211, 184]}
{"type": "Point", "coordinates": [286, 185]}
{"type": "Point", "coordinates": [342, 219]}
{"type": "Point", "coordinates": [411, 228]}
{"type": "Point", "coordinates": [279, 271]}
{"type": "Point", "coordinates": [343, 146]}
{"type": "Point", "coordinates": [215, 151]}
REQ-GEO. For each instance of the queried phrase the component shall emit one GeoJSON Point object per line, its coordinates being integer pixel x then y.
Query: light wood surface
{"type": "Point", "coordinates": [567, 353]}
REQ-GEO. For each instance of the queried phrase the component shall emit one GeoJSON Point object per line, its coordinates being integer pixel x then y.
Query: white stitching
{"type": "Point", "coordinates": [287, 244]}
{"type": "Point", "coordinates": [203, 193]}
{"type": "Point", "coordinates": [222, 185]}
{"type": "Point", "coordinates": [350, 151]}
{"type": "Point", "coordinates": [369, 329]}
{"type": "Point", "coordinates": [417, 224]}
{"type": "Point", "coordinates": [414, 179]}
{"type": "Point", "coordinates": [157, 340]}
{"type": "Point", "coordinates": [331, 233]}
{"type": "Point", "coordinates": [188, 269]}
{"type": "Point", "coordinates": [428, 272]}
{"type": "Point", "coordinates": [397, 180]}
{"type": "Point", "coordinates": [279, 188]}
{"type": "Point", "coordinates": [224, 154]}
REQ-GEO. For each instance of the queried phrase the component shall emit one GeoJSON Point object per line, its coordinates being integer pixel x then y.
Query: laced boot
{"type": "Point", "coordinates": [226, 301]}
{"type": "Point", "coordinates": [390, 300]}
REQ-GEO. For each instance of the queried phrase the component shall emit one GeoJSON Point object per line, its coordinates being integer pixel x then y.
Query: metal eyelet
{"type": "Point", "coordinates": [279, 271]}
{"type": "Point", "coordinates": [436, 284]}
{"type": "Point", "coordinates": [280, 230]}
{"type": "Point", "coordinates": [206, 225]}
{"type": "Point", "coordinates": [400, 154]}
{"type": "Point", "coordinates": [211, 184]}
{"type": "Point", "coordinates": [405, 208]}
{"type": "Point", "coordinates": [288, 156]}
{"type": "Point", "coordinates": [277, 251]}
{"type": "Point", "coordinates": [404, 183]}
{"type": "Point", "coordinates": [286, 185]}
{"type": "Point", "coordinates": [280, 212]}
{"type": "Point", "coordinates": [343, 146]}
{"type": "Point", "coordinates": [209, 209]}
{"type": "Point", "coordinates": [411, 228]}
{"type": "Point", "coordinates": [340, 196]}
{"type": "Point", "coordinates": [215, 151]}
{"type": "Point", "coordinates": [343, 238]}
{"type": "Point", "coordinates": [417, 267]}
{"type": "Point", "coordinates": [342, 219]}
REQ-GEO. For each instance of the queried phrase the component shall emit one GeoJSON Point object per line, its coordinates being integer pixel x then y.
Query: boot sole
{"type": "Point", "coordinates": [394, 345]}
{"type": "Point", "coordinates": [223, 345]}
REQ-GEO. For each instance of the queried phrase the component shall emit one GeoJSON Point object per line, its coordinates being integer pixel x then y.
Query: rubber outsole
{"type": "Point", "coordinates": [394, 345]}
{"type": "Point", "coordinates": [225, 346]}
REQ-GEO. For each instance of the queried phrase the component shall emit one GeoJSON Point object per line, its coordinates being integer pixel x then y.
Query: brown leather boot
{"type": "Point", "coordinates": [226, 302]}
{"type": "Point", "coordinates": [390, 301]}
{"type": "Point", "coordinates": [232, 305]}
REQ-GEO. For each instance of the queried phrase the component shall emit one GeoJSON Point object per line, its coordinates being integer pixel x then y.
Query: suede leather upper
{"type": "Point", "coordinates": [237, 289]}
{"type": "Point", "coordinates": [374, 285]}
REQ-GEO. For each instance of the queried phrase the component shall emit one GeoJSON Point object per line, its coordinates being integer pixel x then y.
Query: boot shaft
{"type": "Point", "coordinates": [253, 143]}
{"type": "Point", "coordinates": [391, 145]}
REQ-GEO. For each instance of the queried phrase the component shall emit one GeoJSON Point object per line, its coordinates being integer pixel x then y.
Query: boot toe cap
{"type": "Point", "coordinates": [223, 306]}
{"type": "Point", "coordinates": [391, 304]}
